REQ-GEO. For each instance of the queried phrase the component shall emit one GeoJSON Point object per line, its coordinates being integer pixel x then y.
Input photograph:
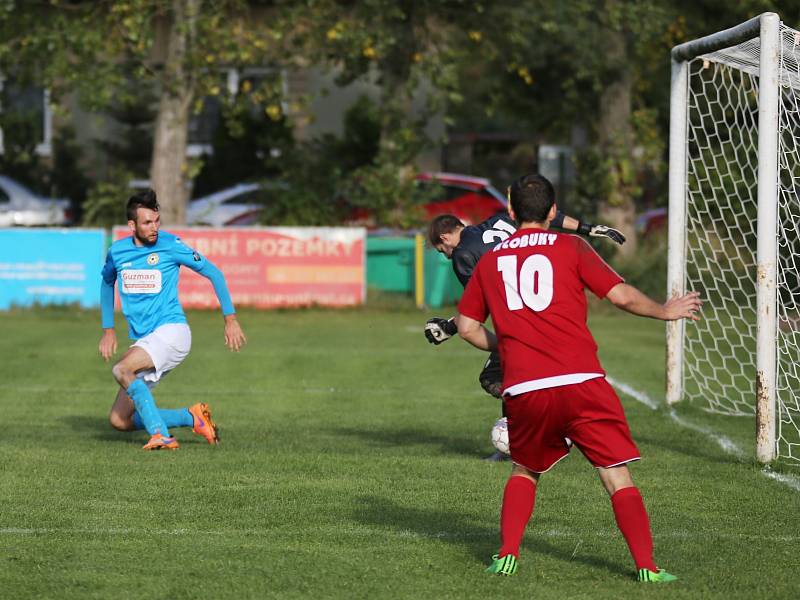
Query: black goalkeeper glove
{"type": "Point", "coordinates": [438, 330]}
{"type": "Point", "coordinates": [601, 231]}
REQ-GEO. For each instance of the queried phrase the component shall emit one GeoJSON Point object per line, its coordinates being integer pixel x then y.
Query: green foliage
{"type": "Point", "coordinates": [105, 202]}
{"type": "Point", "coordinates": [248, 145]}
{"type": "Point", "coordinates": [315, 171]}
{"type": "Point", "coordinates": [362, 133]}
{"type": "Point", "coordinates": [386, 186]}
{"type": "Point", "coordinates": [93, 48]}
{"type": "Point", "coordinates": [592, 181]}
{"type": "Point", "coordinates": [67, 176]}
{"type": "Point", "coordinates": [21, 134]}
{"type": "Point", "coordinates": [331, 180]}
{"type": "Point", "coordinates": [647, 268]}
{"type": "Point", "coordinates": [312, 183]}
{"type": "Point", "coordinates": [131, 115]}
{"type": "Point", "coordinates": [62, 176]}
{"type": "Point", "coordinates": [388, 191]}
{"type": "Point", "coordinates": [486, 66]}
{"type": "Point", "coordinates": [400, 46]}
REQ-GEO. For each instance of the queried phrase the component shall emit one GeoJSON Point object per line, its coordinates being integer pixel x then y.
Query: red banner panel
{"type": "Point", "coordinates": [270, 267]}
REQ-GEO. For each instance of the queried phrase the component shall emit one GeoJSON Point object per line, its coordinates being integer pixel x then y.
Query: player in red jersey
{"type": "Point", "coordinates": [532, 284]}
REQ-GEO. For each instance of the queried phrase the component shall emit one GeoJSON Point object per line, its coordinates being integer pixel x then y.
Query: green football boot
{"type": "Point", "coordinates": [660, 576]}
{"type": "Point", "coordinates": [503, 566]}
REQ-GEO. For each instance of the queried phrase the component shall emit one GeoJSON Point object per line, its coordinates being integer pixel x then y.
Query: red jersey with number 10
{"type": "Point", "coordinates": [533, 286]}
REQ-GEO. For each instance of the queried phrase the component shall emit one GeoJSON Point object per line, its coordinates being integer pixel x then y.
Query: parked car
{"type": "Point", "coordinates": [471, 199]}
{"type": "Point", "coordinates": [238, 205]}
{"type": "Point", "coordinates": [19, 206]}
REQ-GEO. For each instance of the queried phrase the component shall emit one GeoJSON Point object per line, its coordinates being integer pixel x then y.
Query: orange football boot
{"type": "Point", "coordinates": [203, 423]}
{"type": "Point", "coordinates": [160, 442]}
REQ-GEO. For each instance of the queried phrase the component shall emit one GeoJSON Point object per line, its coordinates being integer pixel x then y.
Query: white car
{"type": "Point", "coordinates": [237, 205]}
{"type": "Point", "coordinates": [19, 206]}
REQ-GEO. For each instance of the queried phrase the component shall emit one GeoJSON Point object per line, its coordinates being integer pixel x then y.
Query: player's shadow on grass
{"type": "Point", "coordinates": [96, 427]}
{"type": "Point", "coordinates": [409, 437]}
{"type": "Point", "coordinates": [464, 530]}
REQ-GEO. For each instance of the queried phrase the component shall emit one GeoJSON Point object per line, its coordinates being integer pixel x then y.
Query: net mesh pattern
{"type": "Point", "coordinates": [721, 234]}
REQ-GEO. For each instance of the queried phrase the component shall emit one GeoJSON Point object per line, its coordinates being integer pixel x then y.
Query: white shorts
{"type": "Point", "coordinates": [167, 347]}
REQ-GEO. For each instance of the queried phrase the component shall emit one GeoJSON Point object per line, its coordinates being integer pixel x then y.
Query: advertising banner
{"type": "Point", "coordinates": [50, 266]}
{"type": "Point", "coordinates": [271, 267]}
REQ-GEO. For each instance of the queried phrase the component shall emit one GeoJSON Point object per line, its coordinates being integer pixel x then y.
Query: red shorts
{"type": "Point", "coordinates": [588, 413]}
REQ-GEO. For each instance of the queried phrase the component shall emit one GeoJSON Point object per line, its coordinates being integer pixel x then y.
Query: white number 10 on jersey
{"type": "Point", "coordinates": [533, 286]}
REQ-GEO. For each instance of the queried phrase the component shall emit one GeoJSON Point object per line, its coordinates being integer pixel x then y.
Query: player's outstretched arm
{"type": "Point", "coordinates": [590, 229]}
{"type": "Point", "coordinates": [234, 336]}
{"type": "Point", "coordinates": [438, 330]}
{"type": "Point", "coordinates": [476, 334]}
{"type": "Point", "coordinates": [630, 299]}
{"type": "Point", "coordinates": [602, 231]}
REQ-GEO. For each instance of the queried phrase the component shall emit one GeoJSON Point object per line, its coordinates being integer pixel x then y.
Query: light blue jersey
{"type": "Point", "coordinates": [147, 279]}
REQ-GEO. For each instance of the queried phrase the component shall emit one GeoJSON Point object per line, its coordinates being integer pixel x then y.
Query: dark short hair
{"type": "Point", "coordinates": [441, 225]}
{"type": "Point", "coordinates": [143, 199]}
{"type": "Point", "coordinates": [531, 197]}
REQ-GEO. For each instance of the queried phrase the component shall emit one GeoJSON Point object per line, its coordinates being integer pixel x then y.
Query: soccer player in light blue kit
{"type": "Point", "coordinates": [145, 266]}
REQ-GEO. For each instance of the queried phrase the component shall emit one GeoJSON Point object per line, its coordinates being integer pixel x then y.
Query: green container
{"type": "Point", "coordinates": [441, 284]}
{"type": "Point", "coordinates": [391, 265]}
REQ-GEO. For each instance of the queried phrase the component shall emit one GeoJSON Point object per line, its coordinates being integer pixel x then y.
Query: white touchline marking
{"type": "Point", "coordinates": [724, 442]}
{"type": "Point", "coordinates": [792, 482]}
{"type": "Point", "coordinates": [633, 393]}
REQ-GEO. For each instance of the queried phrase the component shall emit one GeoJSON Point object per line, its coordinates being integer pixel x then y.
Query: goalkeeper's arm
{"type": "Point", "coordinates": [438, 330]}
{"type": "Point", "coordinates": [590, 229]}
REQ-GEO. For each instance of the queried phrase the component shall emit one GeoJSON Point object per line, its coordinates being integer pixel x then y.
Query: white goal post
{"type": "Point", "coordinates": [734, 227]}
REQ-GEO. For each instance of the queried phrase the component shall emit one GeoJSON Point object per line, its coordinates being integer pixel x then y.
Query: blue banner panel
{"type": "Point", "coordinates": [51, 266]}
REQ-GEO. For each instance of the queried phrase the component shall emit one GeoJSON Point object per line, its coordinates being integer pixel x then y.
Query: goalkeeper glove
{"type": "Point", "coordinates": [601, 231]}
{"type": "Point", "coordinates": [438, 330]}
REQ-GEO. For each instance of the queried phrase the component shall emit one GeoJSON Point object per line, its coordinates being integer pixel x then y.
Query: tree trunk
{"type": "Point", "coordinates": [168, 170]}
{"type": "Point", "coordinates": [616, 142]}
{"type": "Point", "coordinates": [616, 139]}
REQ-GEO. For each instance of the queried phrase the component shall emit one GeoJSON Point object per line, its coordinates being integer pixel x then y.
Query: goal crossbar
{"type": "Point", "coordinates": [722, 39]}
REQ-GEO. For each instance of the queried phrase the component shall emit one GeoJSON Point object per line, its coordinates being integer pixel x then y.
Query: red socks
{"type": "Point", "coordinates": [632, 521]}
{"type": "Point", "coordinates": [518, 500]}
{"type": "Point", "coordinates": [629, 511]}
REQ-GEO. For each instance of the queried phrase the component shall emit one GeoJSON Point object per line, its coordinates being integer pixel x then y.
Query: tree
{"type": "Point", "coordinates": [547, 67]}
{"type": "Point", "coordinates": [179, 45]}
{"type": "Point", "coordinates": [408, 49]}
{"type": "Point", "coordinates": [552, 68]}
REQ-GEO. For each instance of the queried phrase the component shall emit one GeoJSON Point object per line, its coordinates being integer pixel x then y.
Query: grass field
{"type": "Point", "coordinates": [350, 467]}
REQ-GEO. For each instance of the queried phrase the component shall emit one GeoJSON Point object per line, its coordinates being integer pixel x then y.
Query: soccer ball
{"type": "Point", "coordinates": [500, 436]}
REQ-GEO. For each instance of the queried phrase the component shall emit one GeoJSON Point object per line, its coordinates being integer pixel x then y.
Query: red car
{"type": "Point", "coordinates": [471, 199]}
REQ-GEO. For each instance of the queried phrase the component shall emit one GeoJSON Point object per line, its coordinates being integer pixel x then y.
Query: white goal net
{"type": "Point", "coordinates": [720, 366]}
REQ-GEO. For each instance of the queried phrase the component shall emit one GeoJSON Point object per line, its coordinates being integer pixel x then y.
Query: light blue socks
{"type": "Point", "coordinates": [180, 417]}
{"type": "Point", "coordinates": [147, 409]}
